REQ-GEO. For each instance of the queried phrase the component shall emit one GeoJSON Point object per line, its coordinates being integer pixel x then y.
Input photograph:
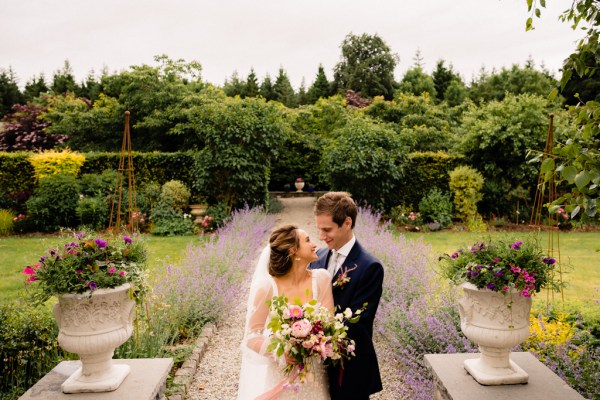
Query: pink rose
{"type": "Point", "coordinates": [302, 328]}
{"type": "Point", "coordinates": [309, 343]}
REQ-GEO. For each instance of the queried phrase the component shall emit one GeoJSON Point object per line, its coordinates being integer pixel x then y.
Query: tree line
{"type": "Point", "coordinates": [173, 109]}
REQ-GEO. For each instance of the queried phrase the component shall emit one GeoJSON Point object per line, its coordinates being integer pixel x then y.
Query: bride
{"type": "Point", "coordinates": [281, 270]}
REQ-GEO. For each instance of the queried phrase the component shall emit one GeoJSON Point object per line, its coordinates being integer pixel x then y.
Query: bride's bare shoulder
{"type": "Point", "coordinates": [321, 274]}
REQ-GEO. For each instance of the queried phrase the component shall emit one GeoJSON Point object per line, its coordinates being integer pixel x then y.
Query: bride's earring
{"type": "Point", "coordinates": [297, 259]}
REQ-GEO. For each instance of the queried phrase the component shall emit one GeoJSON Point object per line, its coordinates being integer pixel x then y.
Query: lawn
{"type": "Point", "coordinates": [579, 254]}
{"type": "Point", "coordinates": [18, 252]}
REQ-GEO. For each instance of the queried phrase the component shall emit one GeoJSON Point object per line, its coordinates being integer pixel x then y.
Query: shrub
{"type": "Point", "coordinates": [54, 203]}
{"type": "Point", "coordinates": [175, 194]}
{"type": "Point", "coordinates": [101, 185]}
{"type": "Point", "coordinates": [93, 212]}
{"type": "Point", "coordinates": [366, 152]}
{"type": "Point", "coordinates": [466, 184]}
{"type": "Point", "coordinates": [6, 222]}
{"type": "Point", "coordinates": [219, 213]}
{"type": "Point", "coordinates": [151, 192]}
{"type": "Point", "coordinates": [427, 170]}
{"type": "Point", "coordinates": [52, 162]}
{"type": "Point", "coordinates": [168, 222]}
{"type": "Point", "coordinates": [436, 207]}
{"type": "Point", "coordinates": [28, 347]}
{"type": "Point", "coordinates": [475, 223]}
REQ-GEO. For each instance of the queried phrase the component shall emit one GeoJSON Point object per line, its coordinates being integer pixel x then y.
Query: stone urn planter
{"type": "Point", "coordinates": [299, 186]}
{"type": "Point", "coordinates": [197, 211]}
{"type": "Point", "coordinates": [496, 322]}
{"type": "Point", "coordinates": [93, 327]}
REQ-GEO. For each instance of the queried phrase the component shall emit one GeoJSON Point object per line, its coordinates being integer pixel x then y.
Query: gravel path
{"type": "Point", "coordinates": [218, 372]}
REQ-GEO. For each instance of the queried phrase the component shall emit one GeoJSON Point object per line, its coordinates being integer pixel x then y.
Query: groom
{"type": "Point", "coordinates": [335, 214]}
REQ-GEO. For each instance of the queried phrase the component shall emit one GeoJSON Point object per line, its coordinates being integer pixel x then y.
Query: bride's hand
{"type": "Point", "coordinates": [289, 359]}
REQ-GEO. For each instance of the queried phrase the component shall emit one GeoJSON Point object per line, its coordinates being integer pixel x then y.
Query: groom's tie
{"type": "Point", "coordinates": [332, 267]}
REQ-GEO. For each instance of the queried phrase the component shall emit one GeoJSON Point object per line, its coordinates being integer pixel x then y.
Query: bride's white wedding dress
{"type": "Point", "coordinates": [261, 371]}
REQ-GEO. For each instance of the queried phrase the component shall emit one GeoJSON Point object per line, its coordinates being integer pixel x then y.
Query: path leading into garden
{"type": "Point", "coordinates": [218, 372]}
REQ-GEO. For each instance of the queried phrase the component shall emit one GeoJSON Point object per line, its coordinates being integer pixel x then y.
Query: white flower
{"type": "Point", "coordinates": [348, 313]}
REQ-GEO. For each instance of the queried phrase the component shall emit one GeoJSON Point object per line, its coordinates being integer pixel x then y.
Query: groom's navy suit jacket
{"type": "Point", "coordinates": [360, 376]}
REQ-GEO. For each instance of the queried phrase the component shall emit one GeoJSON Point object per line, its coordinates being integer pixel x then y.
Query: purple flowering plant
{"type": "Point", "coordinates": [85, 264]}
{"type": "Point", "coordinates": [501, 266]}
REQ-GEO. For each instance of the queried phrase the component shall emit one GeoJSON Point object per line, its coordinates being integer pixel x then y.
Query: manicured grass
{"type": "Point", "coordinates": [579, 256]}
{"type": "Point", "coordinates": [18, 252]}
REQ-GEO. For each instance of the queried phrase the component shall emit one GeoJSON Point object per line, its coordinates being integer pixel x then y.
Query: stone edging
{"type": "Point", "coordinates": [185, 374]}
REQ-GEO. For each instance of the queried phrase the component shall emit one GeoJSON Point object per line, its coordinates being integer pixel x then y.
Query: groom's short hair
{"type": "Point", "coordinates": [337, 204]}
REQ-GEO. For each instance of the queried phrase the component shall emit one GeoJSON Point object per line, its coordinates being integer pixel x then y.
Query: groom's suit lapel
{"type": "Point", "coordinates": [349, 262]}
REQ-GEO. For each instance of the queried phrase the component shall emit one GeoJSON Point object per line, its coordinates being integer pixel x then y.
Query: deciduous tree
{"type": "Point", "coordinates": [367, 66]}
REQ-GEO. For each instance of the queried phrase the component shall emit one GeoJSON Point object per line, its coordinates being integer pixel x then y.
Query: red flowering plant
{"type": "Point", "coordinates": [86, 264]}
{"type": "Point", "coordinates": [501, 266]}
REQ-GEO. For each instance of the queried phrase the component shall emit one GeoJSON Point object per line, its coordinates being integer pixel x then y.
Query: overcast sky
{"type": "Point", "coordinates": [37, 36]}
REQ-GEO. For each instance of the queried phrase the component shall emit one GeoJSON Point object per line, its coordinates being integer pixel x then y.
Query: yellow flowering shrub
{"type": "Point", "coordinates": [542, 330]}
{"type": "Point", "coordinates": [53, 162]}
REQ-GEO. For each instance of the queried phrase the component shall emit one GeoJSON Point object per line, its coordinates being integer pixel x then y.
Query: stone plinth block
{"type": "Point", "coordinates": [452, 382]}
{"type": "Point", "coordinates": [146, 381]}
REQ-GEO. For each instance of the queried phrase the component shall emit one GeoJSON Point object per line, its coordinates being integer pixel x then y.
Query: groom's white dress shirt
{"type": "Point", "coordinates": [337, 258]}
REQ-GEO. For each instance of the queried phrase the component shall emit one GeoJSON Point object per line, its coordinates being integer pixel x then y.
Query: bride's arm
{"type": "Point", "coordinates": [254, 337]}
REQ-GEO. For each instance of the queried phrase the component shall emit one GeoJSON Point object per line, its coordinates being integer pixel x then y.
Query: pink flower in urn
{"type": "Point", "coordinates": [301, 328]}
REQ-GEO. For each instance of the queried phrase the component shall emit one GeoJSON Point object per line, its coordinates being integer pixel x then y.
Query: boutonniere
{"type": "Point", "coordinates": [343, 278]}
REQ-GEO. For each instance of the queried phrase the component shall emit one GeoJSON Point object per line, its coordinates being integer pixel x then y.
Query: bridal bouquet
{"type": "Point", "coordinates": [309, 333]}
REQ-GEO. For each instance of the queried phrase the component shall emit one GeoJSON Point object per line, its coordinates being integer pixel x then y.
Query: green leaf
{"type": "Point", "coordinates": [529, 24]}
{"type": "Point", "coordinates": [569, 173]}
{"type": "Point", "coordinates": [529, 5]}
{"type": "Point", "coordinates": [543, 3]}
{"type": "Point", "coordinates": [575, 212]}
{"type": "Point", "coordinates": [547, 165]}
{"type": "Point", "coordinates": [582, 179]}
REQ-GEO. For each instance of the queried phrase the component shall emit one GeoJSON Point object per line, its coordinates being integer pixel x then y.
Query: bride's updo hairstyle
{"type": "Point", "coordinates": [282, 241]}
